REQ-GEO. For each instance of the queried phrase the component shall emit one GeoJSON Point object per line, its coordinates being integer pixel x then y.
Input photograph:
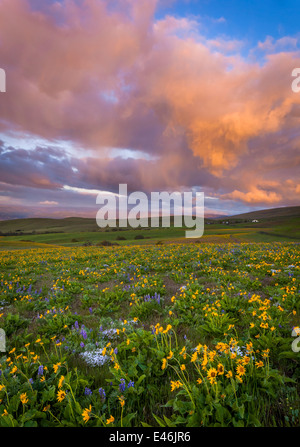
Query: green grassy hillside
{"type": "Point", "coordinates": [73, 231]}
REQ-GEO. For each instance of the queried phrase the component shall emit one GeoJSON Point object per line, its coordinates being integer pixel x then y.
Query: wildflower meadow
{"type": "Point", "coordinates": [174, 335]}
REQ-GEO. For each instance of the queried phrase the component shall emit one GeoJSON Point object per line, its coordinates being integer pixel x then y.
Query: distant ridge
{"type": "Point", "coordinates": [289, 211]}
{"type": "Point", "coordinates": [84, 224]}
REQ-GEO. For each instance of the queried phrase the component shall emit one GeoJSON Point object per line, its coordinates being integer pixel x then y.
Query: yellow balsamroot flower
{"type": "Point", "coordinates": [266, 352]}
{"type": "Point", "coordinates": [167, 329]}
{"type": "Point", "coordinates": [117, 366]}
{"type": "Point", "coordinates": [61, 395]}
{"type": "Point", "coordinates": [122, 401]}
{"type": "Point", "coordinates": [182, 367]}
{"type": "Point", "coordinates": [2, 387]}
{"type": "Point", "coordinates": [198, 347]}
{"type": "Point", "coordinates": [246, 360]}
{"type": "Point", "coordinates": [259, 364]}
{"type": "Point", "coordinates": [62, 378]}
{"type": "Point", "coordinates": [86, 413]}
{"type": "Point", "coordinates": [55, 367]}
{"type": "Point", "coordinates": [175, 384]}
{"type": "Point", "coordinates": [199, 381]}
{"type": "Point", "coordinates": [170, 355]}
{"type": "Point", "coordinates": [240, 370]}
{"type": "Point", "coordinates": [229, 375]}
{"type": "Point", "coordinates": [46, 408]}
{"type": "Point", "coordinates": [24, 398]}
{"type": "Point", "coordinates": [110, 420]}
{"type": "Point", "coordinates": [211, 375]}
{"type": "Point", "coordinates": [220, 369]}
{"type": "Point", "coordinates": [12, 351]}
{"type": "Point", "coordinates": [182, 351]}
{"type": "Point", "coordinates": [249, 346]}
{"type": "Point", "coordinates": [14, 369]}
{"type": "Point", "coordinates": [5, 413]}
{"type": "Point", "coordinates": [194, 356]}
{"type": "Point", "coordinates": [204, 361]}
{"type": "Point", "coordinates": [212, 355]}
{"type": "Point", "coordinates": [164, 363]}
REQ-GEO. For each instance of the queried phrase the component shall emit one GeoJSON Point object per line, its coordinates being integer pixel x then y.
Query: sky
{"type": "Point", "coordinates": [161, 95]}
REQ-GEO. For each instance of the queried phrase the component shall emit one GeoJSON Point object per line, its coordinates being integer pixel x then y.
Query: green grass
{"type": "Point", "coordinates": [78, 231]}
{"type": "Point", "coordinates": [95, 237]}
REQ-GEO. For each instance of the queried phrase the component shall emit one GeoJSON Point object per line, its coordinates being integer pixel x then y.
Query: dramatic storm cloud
{"type": "Point", "coordinates": [107, 92]}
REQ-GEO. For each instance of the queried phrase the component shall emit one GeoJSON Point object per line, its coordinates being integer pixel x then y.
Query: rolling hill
{"type": "Point", "coordinates": [80, 224]}
{"type": "Point", "coordinates": [277, 224]}
{"type": "Point", "coordinates": [270, 214]}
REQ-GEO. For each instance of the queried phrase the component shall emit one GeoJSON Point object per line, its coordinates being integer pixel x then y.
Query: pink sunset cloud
{"type": "Point", "coordinates": [103, 75]}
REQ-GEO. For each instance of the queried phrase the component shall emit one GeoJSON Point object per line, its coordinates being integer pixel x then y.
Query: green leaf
{"type": "Point", "coordinates": [30, 424]}
{"type": "Point", "coordinates": [238, 423]}
{"type": "Point", "coordinates": [169, 422]}
{"type": "Point", "coordinates": [78, 408]}
{"type": "Point", "coordinates": [14, 404]}
{"type": "Point", "coordinates": [127, 419]}
{"type": "Point", "coordinates": [48, 395]}
{"type": "Point", "coordinates": [142, 377]}
{"type": "Point", "coordinates": [159, 420]}
{"type": "Point", "coordinates": [8, 421]}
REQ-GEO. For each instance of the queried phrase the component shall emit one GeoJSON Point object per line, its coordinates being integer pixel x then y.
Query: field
{"type": "Point", "coordinates": [155, 334]}
{"type": "Point", "coordinates": [279, 224]}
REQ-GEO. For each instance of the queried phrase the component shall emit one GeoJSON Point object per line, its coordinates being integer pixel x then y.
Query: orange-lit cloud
{"type": "Point", "coordinates": [254, 196]}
